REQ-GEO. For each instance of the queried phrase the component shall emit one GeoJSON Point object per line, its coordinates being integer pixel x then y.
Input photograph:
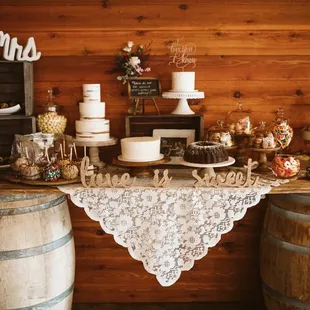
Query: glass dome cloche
{"type": "Point", "coordinates": [263, 137]}
{"type": "Point", "coordinates": [219, 133]}
{"type": "Point", "coordinates": [51, 121]}
{"type": "Point", "coordinates": [239, 121]}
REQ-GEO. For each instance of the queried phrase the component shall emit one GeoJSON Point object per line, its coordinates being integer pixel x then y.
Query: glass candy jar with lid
{"type": "Point", "coordinates": [219, 133]}
{"type": "Point", "coordinates": [282, 131]}
{"type": "Point", "coordinates": [263, 137]}
{"type": "Point", "coordinates": [239, 121]}
{"type": "Point", "coordinates": [50, 121]}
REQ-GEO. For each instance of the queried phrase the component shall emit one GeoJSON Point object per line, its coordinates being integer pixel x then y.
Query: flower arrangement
{"type": "Point", "coordinates": [131, 63]}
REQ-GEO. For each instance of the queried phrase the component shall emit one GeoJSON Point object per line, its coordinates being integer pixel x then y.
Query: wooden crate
{"type": "Point", "coordinates": [11, 125]}
{"type": "Point", "coordinates": [16, 84]}
{"type": "Point", "coordinates": [143, 125]}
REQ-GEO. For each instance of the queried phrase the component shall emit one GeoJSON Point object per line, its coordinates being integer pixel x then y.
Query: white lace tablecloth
{"type": "Point", "coordinates": [167, 228]}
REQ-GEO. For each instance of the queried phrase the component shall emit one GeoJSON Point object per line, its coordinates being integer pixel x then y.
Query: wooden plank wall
{"type": "Point", "coordinates": [254, 51]}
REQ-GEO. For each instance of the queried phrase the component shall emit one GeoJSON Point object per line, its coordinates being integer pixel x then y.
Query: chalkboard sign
{"type": "Point", "coordinates": [144, 88]}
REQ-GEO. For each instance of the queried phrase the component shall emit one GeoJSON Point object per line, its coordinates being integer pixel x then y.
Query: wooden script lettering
{"type": "Point", "coordinates": [144, 88]}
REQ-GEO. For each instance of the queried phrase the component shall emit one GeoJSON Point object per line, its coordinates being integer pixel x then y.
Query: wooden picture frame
{"type": "Point", "coordinates": [173, 142]}
{"type": "Point", "coordinates": [144, 88]}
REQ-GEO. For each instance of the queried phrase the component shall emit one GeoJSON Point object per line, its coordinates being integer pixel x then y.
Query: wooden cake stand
{"type": "Point", "coordinates": [140, 169]}
{"type": "Point", "coordinates": [242, 141]}
{"type": "Point", "coordinates": [207, 168]}
{"type": "Point", "coordinates": [262, 159]}
{"type": "Point", "coordinates": [94, 149]}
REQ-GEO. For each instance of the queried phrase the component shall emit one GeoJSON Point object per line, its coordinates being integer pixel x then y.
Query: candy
{"type": "Point", "coordinates": [283, 134]}
{"type": "Point", "coordinates": [285, 166]}
{"type": "Point", "coordinates": [30, 172]}
{"type": "Point", "coordinates": [70, 172]}
{"type": "Point", "coordinates": [51, 173]}
{"type": "Point", "coordinates": [52, 122]}
{"type": "Point", "coordinates": [19, 163]}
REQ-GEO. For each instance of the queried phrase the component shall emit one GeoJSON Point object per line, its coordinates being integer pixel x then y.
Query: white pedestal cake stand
{"type": "Point", "coordinates": [94, 149]}
{"type": "Point", "coordinates": [183, 107]}
{"type": "Point", "coordinates": [207, 168]}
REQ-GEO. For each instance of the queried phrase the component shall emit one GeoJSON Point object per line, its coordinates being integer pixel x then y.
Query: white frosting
{"type": "Point", "coordinates": [140, 149]}
{"type": "Point", "coordinates": [183, 81]}
{"type": "Point", "coordinates": [92, 110]}
{"type": "Point", "coordinates": [92, 126]}
{"type": "Point", "coordinates": [91, 92]}
{"type": "Point", "coordinates": [93, 137]}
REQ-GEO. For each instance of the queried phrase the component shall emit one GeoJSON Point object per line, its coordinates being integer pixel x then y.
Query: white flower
{"type": "Point", "coordinates": [149, 198]}
{"type": "Point", "coordinates": [130, 44]}
{"type": "Point", "coordinates": [217, 214]}
{"type": "Point", "coordinates": [127, 49]}
{"type": "Point", "coordinates": [167, 264]}
{"type": "Point", "coordinates": [181, 208]}
{"type": "Point", "coordinates": [193, 240]}
{"type": "Point", "coordinates": [124, 223]}
{"type": "Point", "coordinates": [134, 61]}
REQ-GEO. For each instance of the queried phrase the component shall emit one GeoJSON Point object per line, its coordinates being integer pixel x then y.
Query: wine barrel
{"type": "Point", "coordinates": [37, 259]}
{"type": "Point", "coordinates": [285, 253]}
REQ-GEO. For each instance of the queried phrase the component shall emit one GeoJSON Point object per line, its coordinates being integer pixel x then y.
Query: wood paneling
{"type": "Point", "coordinates": [254, 51]}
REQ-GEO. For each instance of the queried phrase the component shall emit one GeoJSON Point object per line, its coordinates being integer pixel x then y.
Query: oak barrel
{"type": "Point", "coordinates": [285, 253]}
{"type": "Point", "coordinates": [37, 259]}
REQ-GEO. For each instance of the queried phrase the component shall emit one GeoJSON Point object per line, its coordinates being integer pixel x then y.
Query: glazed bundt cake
{"type": "Point", "coordinates": [205, 152]}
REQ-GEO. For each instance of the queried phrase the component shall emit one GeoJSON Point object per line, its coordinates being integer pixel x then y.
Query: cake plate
{"type": "Point", "coordinates": [262, 159]}
{"type": "Point", "coordinates": [183, 107]}
{"type": "Point", "coordinates": [140, 169]}
{"type": "Point", "coordinates": [207, 168]}
{"type": "Point", "coordinates": [94, 149]}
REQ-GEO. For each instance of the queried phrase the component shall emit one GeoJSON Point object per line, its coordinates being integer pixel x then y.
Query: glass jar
{"type": "Point", "coordinates": [219, 133]}
{"type": "Point", "coordinates": [239, 122]}
{"type": "Point", "coordinates": [285, 166]}
{"type": "Point", "coordinates": [51, 121]}
{"type": "Point", "coordinates": [263, 137]}
{"type": "Point", "coordinates": [282, 131]}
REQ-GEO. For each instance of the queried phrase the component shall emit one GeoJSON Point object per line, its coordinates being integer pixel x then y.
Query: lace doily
{"type": "Point", "coordinates": [167, 229]}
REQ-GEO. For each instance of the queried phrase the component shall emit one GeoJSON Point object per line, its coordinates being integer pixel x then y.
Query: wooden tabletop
{"type": "Point", "coordinates": [296, 186]}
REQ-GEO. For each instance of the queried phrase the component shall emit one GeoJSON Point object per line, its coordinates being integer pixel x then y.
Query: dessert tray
{"type": "Point", "coordinates": [207, 168]}
{"type": "Point", "coordinates": [183, 107]}
{"type": "Point", "coordinates": [141, 169]}
{"type": "Point", "coordinates": [14, 179]}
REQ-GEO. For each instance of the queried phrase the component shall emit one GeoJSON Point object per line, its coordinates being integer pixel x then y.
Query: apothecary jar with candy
{"type": "Point", "coordinates": [51, 121]}
{"type": "Point", "coordinates": [219, 133]}
{"type": "Point", "coordinates": [239, 121]}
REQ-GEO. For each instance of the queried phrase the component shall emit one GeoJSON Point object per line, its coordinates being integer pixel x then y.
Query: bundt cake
{"type": "Point", "coordinates": [205, 152]}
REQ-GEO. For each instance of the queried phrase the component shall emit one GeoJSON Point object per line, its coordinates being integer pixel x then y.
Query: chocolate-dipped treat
{"type": "Point", "coordinates": [51, 173]}
{"type": "Point", "coordinates": [70, 172]}
{"type": "Point", "coordinates": [30, 172]}
{"type": "Point", "coordinates": [18, 163]}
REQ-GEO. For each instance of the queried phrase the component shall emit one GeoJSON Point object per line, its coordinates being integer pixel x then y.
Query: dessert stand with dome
{"type": "Point", "coordinates": [94, 149]}
{"type": "Point", "coordinates": [183, 107]}
{"type": "Point", "coordinates": [141, 169]}
{"type": "Point", "coordinates": [207, 168]}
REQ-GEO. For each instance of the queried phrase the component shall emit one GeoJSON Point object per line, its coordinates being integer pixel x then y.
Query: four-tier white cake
{"type": "Point", "coordinates": [92, 125]}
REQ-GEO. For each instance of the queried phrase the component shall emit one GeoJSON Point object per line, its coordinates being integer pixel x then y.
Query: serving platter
{"type": "Point", "coordinates": [14, 179]}
{"type": "Point", "coordinates": [10, 110]}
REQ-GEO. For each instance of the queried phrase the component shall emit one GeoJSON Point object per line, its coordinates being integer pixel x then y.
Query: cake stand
{"type": "Point", "coordinates": [262, 159]}
{"type": "Point", "coordinates": [183, 107]}
{"type": "Point", "coordinates": [140, 169]}
{"type": "Point", "coordinates": [242, 140]}
{"type": "Point", "coordinates": [207, 168]}
{"type": "Point", "coordinates": [94, 149]}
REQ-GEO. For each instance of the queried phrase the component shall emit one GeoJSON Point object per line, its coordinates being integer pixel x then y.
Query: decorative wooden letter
{"type": "Point", "coordinates": [164, 182]}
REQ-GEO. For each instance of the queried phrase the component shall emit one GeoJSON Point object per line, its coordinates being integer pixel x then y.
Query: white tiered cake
{"type": "Point", "coordinates": [92, 125]}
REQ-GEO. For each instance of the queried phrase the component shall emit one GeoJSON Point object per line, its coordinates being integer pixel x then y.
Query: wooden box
{"type": "Point", "coordinates": [11, 125]}
{"type": "Point", "coordinates": [143, 125]}
{"type": "Point", "coordinates": [16, 84]}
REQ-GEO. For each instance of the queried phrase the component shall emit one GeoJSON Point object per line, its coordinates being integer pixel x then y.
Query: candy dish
{"type": "Point", "coordinates": [10, 110]}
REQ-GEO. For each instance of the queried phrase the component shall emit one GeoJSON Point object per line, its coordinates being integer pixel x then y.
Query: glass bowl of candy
{"type": "Point", "coordinates": [285, 166]}
{"type": "Point", "coordinates": [220, 134]}
{"type": "Point", "coordinates": [239, 121]}
{"type": "Point", "coordinates": [51, 121]}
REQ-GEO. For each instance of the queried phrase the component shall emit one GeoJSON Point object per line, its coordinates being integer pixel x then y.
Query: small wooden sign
{"type": "Point", "coordinates": [144, 88]}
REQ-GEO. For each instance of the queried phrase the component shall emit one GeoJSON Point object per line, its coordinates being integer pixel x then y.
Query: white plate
{"type": "Point", "coordinates": [120, 157]}
{"type": "Point", "coordinates": [228, 162]}
{"type": "Point", "coordinates": [11, 110]}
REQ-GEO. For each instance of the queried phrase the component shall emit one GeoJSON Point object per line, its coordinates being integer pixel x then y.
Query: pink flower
{"type": "Point", "coordinates": [147, 69]}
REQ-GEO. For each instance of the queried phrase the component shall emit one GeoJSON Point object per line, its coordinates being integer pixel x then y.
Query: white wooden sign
{"type": "Point", "coordinates": [13, 51]}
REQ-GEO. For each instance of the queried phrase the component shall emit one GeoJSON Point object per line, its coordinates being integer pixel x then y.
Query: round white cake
{"type": "Point", "coordinates": [140, 149]}
{"type": "Point", "coordinates": [92, 110]}
{"type": "Point", "coordinates": [183, 81]}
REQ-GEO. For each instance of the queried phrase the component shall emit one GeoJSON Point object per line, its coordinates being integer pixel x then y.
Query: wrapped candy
{"type": "Point", "coordinates": [282, 131]}
{"type": "Point", "coordinates": [285, 166]}
{"type": "Point", "coordinates": [51, 173]}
